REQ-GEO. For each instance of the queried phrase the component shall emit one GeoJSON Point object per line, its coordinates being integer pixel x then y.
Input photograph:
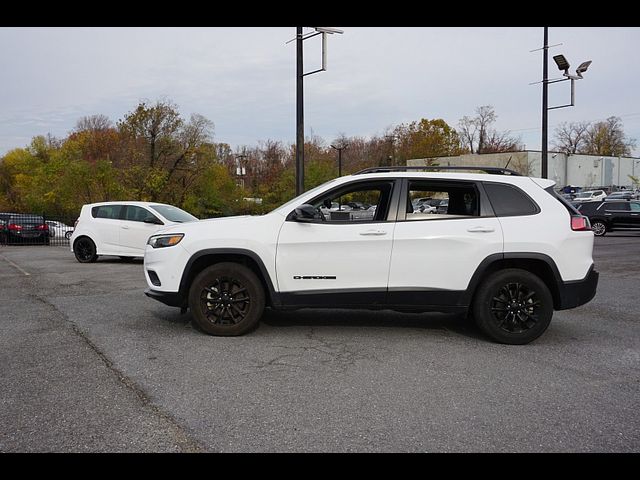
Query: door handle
{"type": "Point", "coordinates": [480, 229]}
{"type": "Point", "coordinates": [373, 232]}
{"type": "Point", "coordinates": [125, 227]}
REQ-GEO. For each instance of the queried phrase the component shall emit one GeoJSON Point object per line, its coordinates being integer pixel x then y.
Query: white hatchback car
{"type": "Point", "coordinates": [590, 196]}
{"type": "Point", "coordinates": [121, 228]}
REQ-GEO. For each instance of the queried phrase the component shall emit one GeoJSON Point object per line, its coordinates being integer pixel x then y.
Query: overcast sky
{"type": "Point", "coordinates": [243, 79]}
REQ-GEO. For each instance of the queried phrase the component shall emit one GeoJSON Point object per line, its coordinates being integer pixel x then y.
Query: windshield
{"type": "Point", "coordinates": [173, 214]}
{"type": "Point", "coordinates": [583, 195]}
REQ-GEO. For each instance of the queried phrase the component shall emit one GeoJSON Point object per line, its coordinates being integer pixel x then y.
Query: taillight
{"type": "Point", "coordinates": [580, 223]}
{"type": "Point", "coordinates": [13, 226]}
{"type": "Point", "coordinates": [42, 227]}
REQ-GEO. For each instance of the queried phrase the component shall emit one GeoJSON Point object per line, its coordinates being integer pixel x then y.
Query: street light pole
{"type": "Point", "coordinates": [339, 149]}
{"type": "Point", "coordinates": [299, 114]}
{"type": "Point", "coordinates": [299, 38]}
{"type": "Point", "coordinates": [545, 102]}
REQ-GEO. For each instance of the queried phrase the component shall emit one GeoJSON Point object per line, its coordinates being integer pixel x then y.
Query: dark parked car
{"type": "Point", "coordinates": [611, 215]}
{"type": "Point", "coordinates": [443, 206]}
{"type": "Point", "coordinates": [23, 228]}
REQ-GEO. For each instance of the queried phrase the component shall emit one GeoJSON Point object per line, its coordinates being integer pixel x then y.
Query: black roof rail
{"type": "Point", "coordinates": [491, 170]}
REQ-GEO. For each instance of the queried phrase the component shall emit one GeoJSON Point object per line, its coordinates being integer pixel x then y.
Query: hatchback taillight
{"type": "Point", "coordinates": [42, 227]}
{"type": "Point", "coordinates": [13, 226]}
{"type": "Point", "coordinates": [580, 223]}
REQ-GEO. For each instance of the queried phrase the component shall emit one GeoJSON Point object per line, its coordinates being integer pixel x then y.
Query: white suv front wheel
{"type": "Point", "coordinates": [226, 299]}
{"type": "Point", "coordinates": [513, 306]}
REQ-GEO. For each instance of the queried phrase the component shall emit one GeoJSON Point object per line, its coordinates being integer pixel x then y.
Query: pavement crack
{"type": "Point", "coordinates": [184, 441]}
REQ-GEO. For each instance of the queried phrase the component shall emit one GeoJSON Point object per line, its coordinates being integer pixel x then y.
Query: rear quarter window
{"type": "Point", "coordinates": [106, 211]}
{"type": "Point", "coordinates": [509, 200]}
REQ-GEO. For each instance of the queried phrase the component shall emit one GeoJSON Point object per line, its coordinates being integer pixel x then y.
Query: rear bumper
{"type": "Point", "coordinates": [574, 294]}
{"type": "Point", "coordinates": [173, 299]}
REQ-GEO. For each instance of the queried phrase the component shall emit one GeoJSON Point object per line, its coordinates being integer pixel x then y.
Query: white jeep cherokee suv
{"type": "Point", "coordinates": [507, 250]}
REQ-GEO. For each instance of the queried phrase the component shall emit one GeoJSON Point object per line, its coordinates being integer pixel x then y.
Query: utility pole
{"type": "Point", "coordinates": [299, 114]}
{"type": "Point", "coordinates": [339, 149]}
{"type": "Point", "coordinates": [545, 102]}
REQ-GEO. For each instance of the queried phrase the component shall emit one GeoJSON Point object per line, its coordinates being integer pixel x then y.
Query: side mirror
{"type": "Point", "coordinates": [304, 213]}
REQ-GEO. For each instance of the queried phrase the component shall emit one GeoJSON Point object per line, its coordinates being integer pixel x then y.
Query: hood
{"type": "Point", "coordinates": [194, 226]}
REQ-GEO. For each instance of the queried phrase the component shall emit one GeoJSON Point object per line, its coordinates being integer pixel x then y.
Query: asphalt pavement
{"type": "Point", "coordinates": [88, 363]}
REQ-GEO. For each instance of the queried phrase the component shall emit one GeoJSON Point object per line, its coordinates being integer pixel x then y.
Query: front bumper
{"type": "Point", "coordinates": [173, 299]}
{"type": "Point", "coordinates": [574, 294]}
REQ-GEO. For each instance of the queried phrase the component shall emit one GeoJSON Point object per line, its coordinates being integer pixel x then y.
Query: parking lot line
{"type": "Point", "coordinates": [16, 266]}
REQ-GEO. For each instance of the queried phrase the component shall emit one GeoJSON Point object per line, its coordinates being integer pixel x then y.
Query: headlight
{"type": "Point", "coordinates": [161, 241]}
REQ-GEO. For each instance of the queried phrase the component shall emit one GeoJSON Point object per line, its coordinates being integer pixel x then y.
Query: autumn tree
{"type": "Point", "coordinates": [97, 139]}
{"type": "Point", "coordinates": [608, 138]}
{"type": "Point", "coordinates": [163, 150]}
{"type": "Point", "coordinates": [425, 139]}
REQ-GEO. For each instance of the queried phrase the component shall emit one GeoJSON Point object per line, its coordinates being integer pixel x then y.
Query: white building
{"type": "Point", "coordinates": [588, 171]}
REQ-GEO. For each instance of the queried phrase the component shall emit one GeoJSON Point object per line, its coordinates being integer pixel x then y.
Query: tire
{"type": "Point", "coordinates": [599, 228]}
{"type": "Point", "coordinates": [513, 306]}
{"type": "Point", "coordinates": [68, 234]}
{"type": "Point", "coordinates": [85, 250]}
{"type": "Point", "coordinates": [226, 282]}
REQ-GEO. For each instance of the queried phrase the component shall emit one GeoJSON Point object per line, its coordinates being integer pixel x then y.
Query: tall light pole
{"type": "Point", "coordinates": [339, 149]}
{"type": "Point", "coordinates": [562, 64]}
{"type": "Point", "coordinates": [324, 31]}
{"type": "Point", "coordinates": [299, 113]}
{"type": "Point", "coordinates": [545, 100]}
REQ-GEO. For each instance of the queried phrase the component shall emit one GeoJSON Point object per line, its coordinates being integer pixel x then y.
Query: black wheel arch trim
{"type": "Point", "coordinates": [272, 295]}
{"type": "Point", "coordinates": [565, 295]}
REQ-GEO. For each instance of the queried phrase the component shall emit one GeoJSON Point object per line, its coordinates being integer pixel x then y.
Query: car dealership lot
{"type": "Point", "coordinates": [88, 363]}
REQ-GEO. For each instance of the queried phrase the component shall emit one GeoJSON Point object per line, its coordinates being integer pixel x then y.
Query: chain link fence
{"type": "Point", "coordinates": [34, 229]}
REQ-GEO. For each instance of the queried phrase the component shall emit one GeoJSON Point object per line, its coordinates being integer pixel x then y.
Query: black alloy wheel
{"type": "Point", "coordinates": [85, 250]}
{"type": "Point", "coordinates": [226, 299]}
{"type": "Point", "coordinates": [513, 306]}
{"type": "Point", "coordinates": [225, 302]}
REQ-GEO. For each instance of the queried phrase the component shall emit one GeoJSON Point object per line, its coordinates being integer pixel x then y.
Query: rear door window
{"type": "Point", "coordinates": [433, 200]}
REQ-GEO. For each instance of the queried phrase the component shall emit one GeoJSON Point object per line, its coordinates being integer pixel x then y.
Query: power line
{"type": "Point", "coordinates": [590, 121]}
